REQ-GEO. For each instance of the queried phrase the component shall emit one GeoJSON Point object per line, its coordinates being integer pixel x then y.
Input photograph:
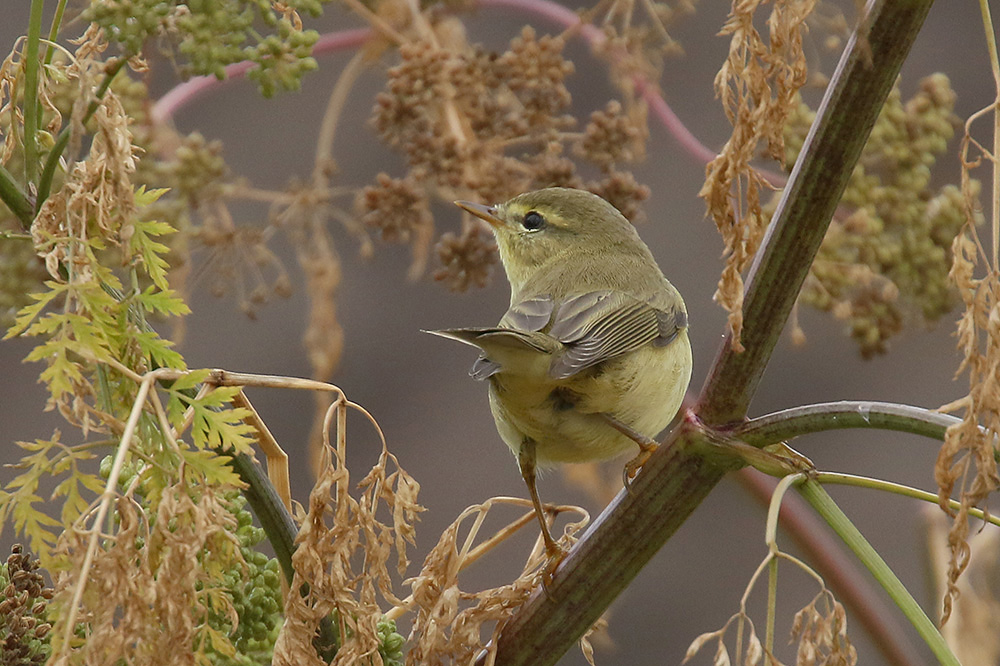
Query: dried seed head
{"type": "Point", "coordinates": [466, 260]}
{"type": "Point", "coordinates": [614, 137]}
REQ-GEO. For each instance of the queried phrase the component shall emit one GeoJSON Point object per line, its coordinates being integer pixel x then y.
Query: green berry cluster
{"type": "Point", "coordinates": [211, 34]}
{"type": "Point", "coordinates": [24, 627]}
{"type": "Point", "coordinates": [886, 257]}
{"type": "Point", "coordinates": [254, 587]}
{"type": "Point", "coordinates": [256, 595]}
{"type": "Point", "coordinates": [390, 643]}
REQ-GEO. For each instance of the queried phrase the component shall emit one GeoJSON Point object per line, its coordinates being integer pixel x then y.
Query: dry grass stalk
{"type": "Point", "coordinates": [756, 85]}
{"type": "Point", "coordinates": [453, 626]}
{"type": "Point", "coordinates": [967, 460]}
{"type": "Point", "coordinates": [344, 562]}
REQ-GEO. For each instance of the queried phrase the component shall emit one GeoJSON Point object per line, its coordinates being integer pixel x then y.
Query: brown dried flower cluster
{"type": "Point", "coordinates": [612, 137]}
{"type": "Point", "coordinates": [466, 260]}
{"type": "Point", "coordinates": [821, 630]}
{"type": "Point", "coordinates": [343, 553]}
{"type": "Point", "coordinates": [151, 583]}
{"type": "Point", "coordinates": [23, 626]}
{"type": "Point", "coordinates": [453, 626]}
{"type": "Point", "coordinates": [474, 124]}
{"type": "Point", "coordinates": [400, 210]}
{"type": "Point", "coordinates": [968, 459]}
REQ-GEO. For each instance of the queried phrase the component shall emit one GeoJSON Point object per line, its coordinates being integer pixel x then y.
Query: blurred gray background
{"type": "Point", "coordinates": [437, 420]}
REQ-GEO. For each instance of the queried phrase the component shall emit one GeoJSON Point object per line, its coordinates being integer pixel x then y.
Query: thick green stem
{"type": "Point", "coordinates": [821, 501]}
{"type": "Point", "coordinates": [798, 421]}
{"type": "Point", "coordinates": [274, 518]}
{"type": "Point", "coordinates": [15, 199]}
{"type": "Point", "coordinates": [844, 120]}
{"type": "Point", "coordinates": [31, 65]}
{"type": "Point", "coordinates": [675, 480]}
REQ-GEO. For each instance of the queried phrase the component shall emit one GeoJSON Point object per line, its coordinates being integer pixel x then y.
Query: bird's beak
{"type": "Point", "coordinates": [488, 213]}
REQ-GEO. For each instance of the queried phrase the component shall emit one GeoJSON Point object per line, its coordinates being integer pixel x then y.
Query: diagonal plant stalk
{"type": "Point", "coordinates": [15, 199]}
{"type": "Point", "coordinates": [820, 500]}
{"type": "Point", "coordinates": [676, 479]}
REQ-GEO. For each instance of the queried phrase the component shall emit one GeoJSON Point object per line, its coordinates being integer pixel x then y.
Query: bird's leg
{"type": "Point", "coordinates": [646, 447]}
{"type": "Point", "coordinates": [526, 461]}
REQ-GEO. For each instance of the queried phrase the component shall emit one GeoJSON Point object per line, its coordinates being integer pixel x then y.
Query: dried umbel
{"type": "Point", "coordinates": [466, 260]}
{"type": "Point", "coordinates": [400, 210]}
{"type": "Point", "coordinates": [473, 124]}
{"type": "Point", "coordinates": [24, 596]}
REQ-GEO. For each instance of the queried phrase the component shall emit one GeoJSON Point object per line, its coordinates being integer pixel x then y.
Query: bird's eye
{"type": "Point", "coordinates": [533, 221]}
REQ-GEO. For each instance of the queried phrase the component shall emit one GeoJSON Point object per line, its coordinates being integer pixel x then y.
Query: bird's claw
{"type": "Point", "coordinates": [633, 466]}
{"type": "Point", "coordinates": [554, 557]}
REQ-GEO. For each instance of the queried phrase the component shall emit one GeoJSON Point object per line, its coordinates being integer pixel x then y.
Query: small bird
{"type": "Point", "coordinates": [593, 356]}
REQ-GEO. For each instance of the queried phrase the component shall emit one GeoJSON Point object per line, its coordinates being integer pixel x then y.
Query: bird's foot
{"type": "Point", "coordinates": [633, 466]}
{"type": "Point", "coordinates": [646, 447]}
{"type": "Point", "coordinates": [554, 557]}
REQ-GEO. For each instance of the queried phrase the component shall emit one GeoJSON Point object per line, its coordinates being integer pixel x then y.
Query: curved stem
{"type": "Point", "coordinates": [826, 554]}
{"type": "Point", "coordinates": [841, 479]}
{"type": "Point", "coordinates": [331, 117]}
{"type": "Point", "coordinates": [821, 501]}
{"type": "Point", "coordinates": [182, 95]}
{"type": "Point", "coordinates": [820, 417]}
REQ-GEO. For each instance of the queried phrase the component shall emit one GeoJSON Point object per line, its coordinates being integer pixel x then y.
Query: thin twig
{"type": "Point", "coordinates": [334, 108]}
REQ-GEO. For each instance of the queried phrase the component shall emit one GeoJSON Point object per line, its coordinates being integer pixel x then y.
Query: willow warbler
{"type": "Point", "coordinates": [592, 357]}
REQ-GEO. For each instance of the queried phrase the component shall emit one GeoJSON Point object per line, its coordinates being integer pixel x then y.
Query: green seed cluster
{"type": "Point", "coordinates": [256, 593]}
{"type": "Point", "coordinates": [254, 587]}
{"type": "Point", "coordinates": [391, 643]}
{"type": "Point", "coordinates": [196, 169]}
{"type": "Point", "coordinates": [24, 629]}
{"type": "Point", "coordinates": [886, 257]}
{"type": "Point", "coordinates": [211, 34]}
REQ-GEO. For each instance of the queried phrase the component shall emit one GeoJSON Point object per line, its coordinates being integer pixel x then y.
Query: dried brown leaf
{"type": "Point", "coordinates": [756, 86]}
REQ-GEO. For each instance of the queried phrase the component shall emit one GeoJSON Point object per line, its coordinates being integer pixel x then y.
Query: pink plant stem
{"type": "Point", "coordinates": [595, 38]}
{"type": "Point", "coordinates": [183, 94]}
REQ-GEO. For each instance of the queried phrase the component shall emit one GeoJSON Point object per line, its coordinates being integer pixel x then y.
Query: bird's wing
{"type": "Point", "coordinates": [599, 325]}
{"type": "Point", "coordinates": [591, 327]}
{"type": "Point", "coordinates": [530, 315]}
